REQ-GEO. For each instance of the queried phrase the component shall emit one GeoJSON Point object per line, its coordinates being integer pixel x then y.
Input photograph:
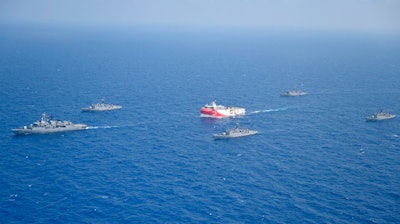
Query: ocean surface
{"type": "Point", "coordinates": [314, 160]}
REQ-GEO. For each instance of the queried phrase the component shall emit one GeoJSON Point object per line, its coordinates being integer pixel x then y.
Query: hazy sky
{"type": "Point", "coordinates": [379, 16]}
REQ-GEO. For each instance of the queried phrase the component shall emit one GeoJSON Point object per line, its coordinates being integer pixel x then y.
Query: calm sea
{"type": "Point", "coordinates": [315, 159]}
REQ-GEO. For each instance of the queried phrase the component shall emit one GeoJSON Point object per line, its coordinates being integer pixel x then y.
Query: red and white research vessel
{"type": "Point", "coordinates": [218, 111]}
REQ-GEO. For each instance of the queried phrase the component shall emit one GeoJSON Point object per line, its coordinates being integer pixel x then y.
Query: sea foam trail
{"type": "Point", "coordinates": [101, 127]}
{"type": "Point", "coordinates": [109, 126]}
{"type": "Point", "coordinates": [268, 110]}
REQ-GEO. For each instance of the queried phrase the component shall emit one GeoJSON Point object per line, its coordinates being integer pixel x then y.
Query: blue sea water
{"type": "Point", "coordinates": [315, 159]}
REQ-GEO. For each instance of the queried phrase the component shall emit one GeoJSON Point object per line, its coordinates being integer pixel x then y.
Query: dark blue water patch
{"type": "Point", "coordinates": [314, 160]}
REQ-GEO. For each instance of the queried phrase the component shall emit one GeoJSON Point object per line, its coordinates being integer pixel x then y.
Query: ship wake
{"type": "Point", "coordinates": [101, 127]}
{"type": "Point", "coordinates": [268, 110]}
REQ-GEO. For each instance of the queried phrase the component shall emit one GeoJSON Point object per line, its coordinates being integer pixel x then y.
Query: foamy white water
{"type": "Point", "coordinates": [268, 110]}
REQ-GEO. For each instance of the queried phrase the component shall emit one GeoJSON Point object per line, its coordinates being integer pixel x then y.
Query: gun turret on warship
{"type": "Point", "coordinates": [101, 107]}
{"type": "Point", "coordinates": [47, 125]}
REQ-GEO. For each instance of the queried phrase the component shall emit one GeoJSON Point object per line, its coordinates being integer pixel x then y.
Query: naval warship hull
{"type": "Point", "coordinates": [290, 93]}
{"type": "Point", "coordinates": [48, 130]}
{"type": "Point", "coordinates": [380, 118]}
{"type": "Point", "coordinates": [89, 109]}
{"type": "Point", "coordinates": [224, 135]}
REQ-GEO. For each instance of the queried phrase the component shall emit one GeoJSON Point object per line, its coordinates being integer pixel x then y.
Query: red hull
{"type": "Point", "coordinates": [211, 112]}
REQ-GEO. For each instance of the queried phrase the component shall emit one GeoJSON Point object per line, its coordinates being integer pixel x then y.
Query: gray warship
{"type": "Point", "coordinates": [294, 92]}
{"type": "Point", "coordinates": [235, 132]}
{"type": "Point", "coordinates": [48, 125]}
{"type": "Point", "coordinates": [101, 107]}
{"type": "Point", "coordinates": [381, 115]}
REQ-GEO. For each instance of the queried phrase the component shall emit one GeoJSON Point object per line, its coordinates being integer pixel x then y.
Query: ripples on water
{"type": "Point", "coordinates": [315, 159]}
